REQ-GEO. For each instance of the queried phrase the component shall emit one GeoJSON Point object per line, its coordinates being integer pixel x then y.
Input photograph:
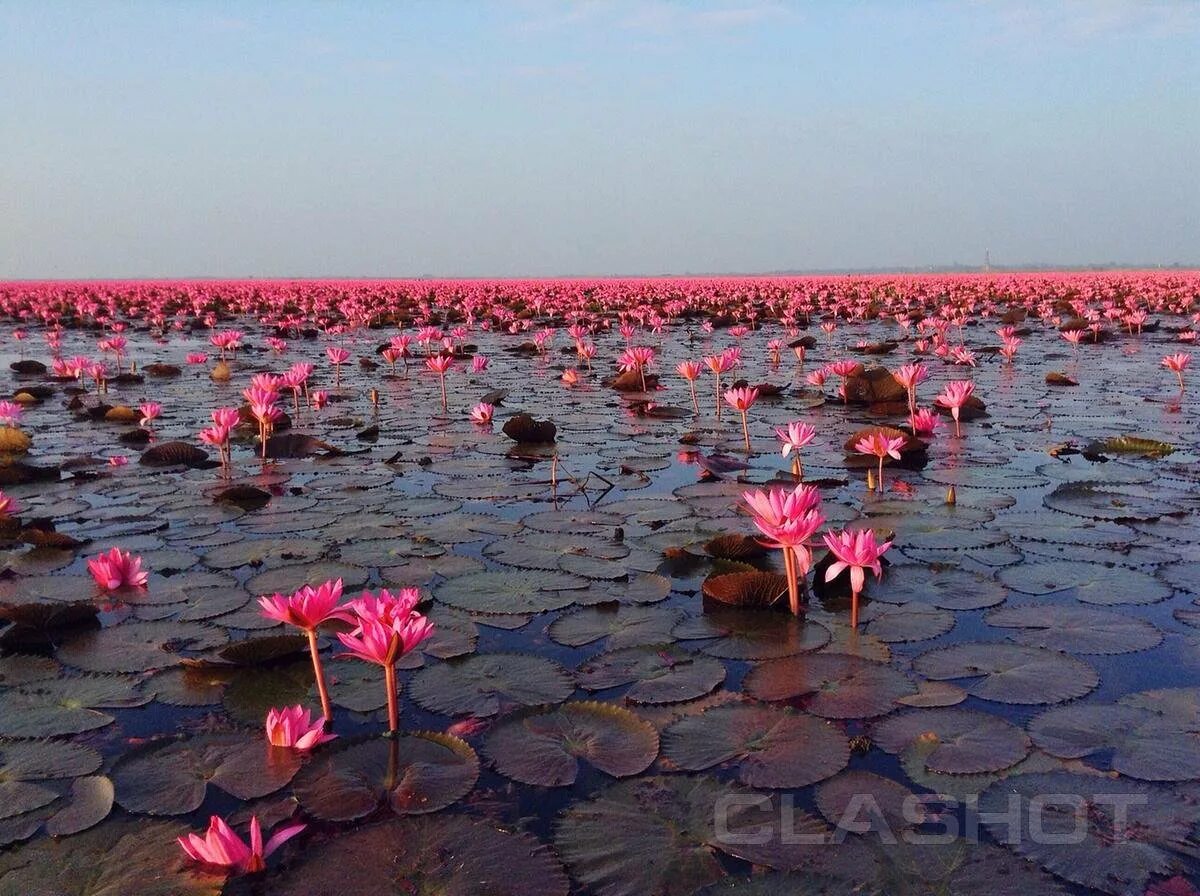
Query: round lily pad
{"type": "Point", "coordinates": [412, 773]}
{"type": "Point", "coordinates": [117, 857]}
{"type": "Point", "coordinates": [90, 802]}
{"type": "Point", "coordinates": [1100, 501]}
{"type": "Point", "coordinates": [898, 623]}
{"type": "Point", "coordinates": [482, 684]}
{"type": "Point", "coordinates": [1140, 743]}
{"type": "Point", "coordinates": [621, 626]}
{"type": "Point", "coordinates": [1091, 583]}
{"type": "Point", "coordinates": [1076, 629]}
{"type": "Point", "coordinates": [659, 835]}
{"type": "Point", "coordinates": [753, 635]}
{"type": "Point", "coordinates": [770, 746]}
{"type": "Point", "coordinates": [510, 592]}
{"type": "Point", "coordinates": [450, 855]}
{"type": "Point", "coordinates": [45, 760]}
{"type": "Point", "coordinates": [859, 801]}
{"type": "Point", "coordinates": [64, 705]}
{"type": "Point", "coordinates": [834, 686]}
{"type": "Point", "coordinates": [545, 747]}
{"type": "Point", "coordinates": [1108, 834]}
{"type": "Point", "coordinates": [946, 588]}
{"type": "Point", "coordinates": [1010, 673]}
{"type": "Point", "coordinates": [138, 646]}
{"type": "Point", "coordinates": [658, 673]}
{"type": "Point", "coordinates": [960, 741]}
{"type": "Point", "coordinates": [171, 778]}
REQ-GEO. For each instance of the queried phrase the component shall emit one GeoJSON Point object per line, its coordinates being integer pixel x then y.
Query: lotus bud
{"type": "Point", "coordinates": [951, 496]}
{"type": "Point", "coordinates": [870, 480]}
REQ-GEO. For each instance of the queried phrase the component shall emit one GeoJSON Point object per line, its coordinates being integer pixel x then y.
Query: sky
{"type": "Point", "coordinates": [594, 137]}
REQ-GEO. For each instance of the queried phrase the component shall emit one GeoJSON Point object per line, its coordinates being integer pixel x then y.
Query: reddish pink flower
{"type": "Point", "coordinates": [954, 396]}
{"type": "Point", "coordinates": [8, 505]}
{"type": "Point", "coordinates": [293, 727]}
{"type": "Point", "coordinates": [857, 551]}
{"type": "Point", "coordinates": [223, 848]}
{"type": "Point", "coordinates": [1177, 364]}
{"type": "Point", "coordinates": [117, 569]}
{"type": "Point", "coordinates": [482, 413]}
{"type": "Point", "coordinates": [307, 608]}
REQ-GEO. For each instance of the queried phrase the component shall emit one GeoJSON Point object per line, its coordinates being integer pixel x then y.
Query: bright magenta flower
{"type": "Point", "coordinates": [954, 396]}
{"type": "Point", "coordinates": [8, 505]}
{"type": "Point", "coordinates": [150, 411]}
{"type": "Point", "coordinates": [1177, 364]}
{"type": "Point", "coordinates": [117, 569]}
{"type": "Point", "coordinates": [741, 399]}
{"type": "Point", "coordinates": [221, 847]}
{"type": "Point", "coordinates": [307, 608]}
{"type": "Point", "coordinates": [795, 436]}
{"type": "Point", "coordinates": [294, 727]}
{"type": "Point", "coordinates": [482, 413]}
{"type": "Point", "coordinates": [337, 355]}
{"type": "Point", "coordinates": [880, 445]}
{"type": "Point", "coordinates": [857, 551]}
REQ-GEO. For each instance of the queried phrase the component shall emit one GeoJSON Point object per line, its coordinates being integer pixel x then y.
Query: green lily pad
{"type": "Point", "coordinates": [545, 747]}
{"type": "Point", "coordinates": [510, 592]}
{"type": "Point", "coordinates": [1092, 583]}
{"type": "Point", "coordinates": [621, 626]}
{"type": "Point", "coordinates": [412, 773]}
{"type": "Point", "coordinates": [90, 802]}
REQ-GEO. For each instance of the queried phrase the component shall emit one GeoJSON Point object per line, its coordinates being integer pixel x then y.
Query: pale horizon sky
{"type": "Point", "coordinates": [594, 137]}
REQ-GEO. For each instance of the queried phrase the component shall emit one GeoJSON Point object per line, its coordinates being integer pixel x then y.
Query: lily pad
{"type": "Point", "coordinates": [742, 635]}
{"type": "Point", "coordinates": [413, 774]}
{"type": "Point", "coordinates": [481, 685]}
{"type": "Point", "coordinates": [64, 705]}
{"type": "Point", "coordinates": [545, 747]}
{"type": "Point", "coordinates": [770, 746]}
{"type": "Point", "coordinates": [1141, 743]}
{"type": "Point", "coordinates": [658, 673]}
{"type": "Point", "coordinates": [451, 855]}
{"type": "Point", "coordinates": [91, 801]}
{"type": "Point", "coordinates": [1076, 629]}
{"type": "Point", "coordinates": [171, 778]}
{"type": "Point", "coordinates": [510, 592]}
{"type": "Point", "coordinates": [1010, 673]}
{"type": "Point", "coordinates": [138, 646]}
{"type": "Point", "coordinates": [898, 623]}
{"type": "Point", "coordinates": [621, 626]}
{"type": "Point", "coordinates": [948, 589]}
{"type": "Point", "coordinates": [833, 686]}
{"type": "Point", "coordinates": [959, 741]}
{"type": "Point", "coordinates": [1091, 583]}
{"type": "Point", "coordinates": [860, 801]}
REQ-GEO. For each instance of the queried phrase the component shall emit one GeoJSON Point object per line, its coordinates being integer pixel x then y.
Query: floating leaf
{"type": "Point", "coordinates": [1008, 673]}
{"type": "Point", "coordinates": [747, 589]}
{"type": "Point", "coordinates": [948, 589]}
{"type": "Point", "coordinates": [835, 686]}
{"type": "Point", "coordinates": [622, 626]}
{"type": "Point", "coordinates": [63, 706]}
{"type": "Point", "coordinates": [1098, 500]}
{"type": "Point", "coordinates": [510, 592]}
{"type": "Point", "coordinates": [138, 646]}
{"type": "Point", "coordinates": [91, 800]}
{"type": "Point", "coordinates": [451, 855]}
{"type": "Point", "coordinates": [743, 635]}
{"type": "Point", "coordinates": [412, 773]}
{"type": "Point", "coordinates": [958, 741]}
{"type": "Point", "coordinates": [1091, 582]}
{"type": "Point", "coordinates": [1076, 629]}
{"type": "Point", "coordinates": [659, 673]}
{"type": "Point", "coordinates": [1127, 444]}
{"type": "Point", "coordinates": [115, 858]}
{"type": "Point", "coordinates": [770, 746]}
{"type": "Point", "coordinates": [482, 684]}
{"type": "Point", "coordinates": [860, 801]}
{"type": "Point", "coordinates": [171, 778]}
{"type": "Point", "coordinates": [545, 747]}
{"type": "Point", "coordinates": [1143, 744]}
{"type": "Point", "coordinates": [896, 623]}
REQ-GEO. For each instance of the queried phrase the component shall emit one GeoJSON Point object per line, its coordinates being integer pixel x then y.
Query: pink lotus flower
{"type": "Point", "coordinates": [741, 400]}
{"type": "Point", "coordinates": [718, 364]}
{"type": "Point", "coordinates": [925, 423]}
{"type": "Point", "coordinates": [857, 551]}
{"type": "Point", "coordinates": [482, 413]}
{"type": "Point", "coordinates": [226, 417]}
{"type": "Point", "coordinates": [388, 626]}
{"type": "Point", "coordinates": [117, 569]}
{"type": "Point", "coordinates": [1177, 364]}
{"type": "Point", "coordinates": [118, 460]}
{"type": "Point", "coordinates": [197, 358]}
{"type": "Point", "coordinates": [954, 396]}
{"type": "Point", "coordinates": [10, 413]}
{"type": "Point", "coordinates": [307, 609]}
{"type": "Point", "coordinates": [439, 364]}
{"type": "Point", "coordinates": [8, 505]}
{"type": "Point", "coordinates": [570, 377]}
{"type": "Point", "coordinates": [788, 518]}
{"type": "Point", "coordinates": [223, 848]}
{"type": "Point", "coordinates": [479, 363]}
{"type": "Point", "coordinates": [318, 399]}
{"type": "Point", "coordinates": [880, 446]}
{"type": "Point", "coordinates": [294, 727]}
{"type": "Point", "coordinates": [690, 371]}
{"type": "Point", "coordinates": [150, 411]}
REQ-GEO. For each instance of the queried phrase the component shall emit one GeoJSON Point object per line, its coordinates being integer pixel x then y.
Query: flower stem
{"type": "Point", "coordinates": [389, 681]}
{"type": "Point", "coordinates": [319, 674]}
{"type": "Point", "coordinates": [746, 431]}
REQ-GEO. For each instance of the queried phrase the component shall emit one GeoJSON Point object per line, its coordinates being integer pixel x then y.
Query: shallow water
{"type": "Point", "coordinates": [435, 500]}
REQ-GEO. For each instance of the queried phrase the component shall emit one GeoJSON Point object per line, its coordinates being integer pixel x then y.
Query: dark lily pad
{"type": "Point", "coordinates": [898, 623]}
{"type": "Point", "coordinates": [1143, 744]}
{"type": "Point", "coordinates": [1099, 501]}
{"type": "Point", "coordinates": [413, 774]}
{"type": "Point", "coordinates": [450, 855]}
{"type": "Point", "coordinates": [658, 673]}
{"type": "Point", "coordinates": [947, 589]}
{"type": "Point", "coordinates": [1076, 629]}
{"type": "Point", "coordinates": [138, 646]}
{"type": "Point", "coordinates": [834, 686]}
{"type": "Point", "coordinates": [64, 705]}
{"type": "Point", "coordinates": [1091, 582]}
{"type": "Point", "coordinates": [115, 858]}
{"type": "Point", "coordinates": [510, 592]}
{"type": "Point", "coordinates": [545, 747]}
{"type": "Point", "coordinates": [620, 626]}
{"type": "Point", "coordinates": [481, 685]}
{"type": "Point", "coordinates": [171, 778]}
{"type": "Point", "coordinates": [173, 454]}
{"type": "Point", "coordinates": [1010, 673]}
{"type": "Point", "coordinates": [958, 741]}
{"type": "Point", "coordinates": [45, 760]}
{"type": "Point", "coordinates": [770, 746]}
{"type": "Point", "coordinates": [90, 802]}
{"type": "Point", "coordinates": [740, 635]}
{"type": "Point", "coordinates": [747, 589]}
{"type": "Point", "coordinates": [1076, 817]}
{"type": "Point", "coordinates": [659, 835]}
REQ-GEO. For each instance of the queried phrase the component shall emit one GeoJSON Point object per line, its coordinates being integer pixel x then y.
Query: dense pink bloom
{"type": "Point", "coordinates": [117, 569]}
{"type": "Point", "coordinates": [777, 505]}
{"type": "Point", "coordinates": [857, 551]}
{"type": "Point", "coordinates": [118, 460]}
{"type": "Point", "coordinates": [911, 375]}
{"type": "Point", "coordinates": [197, 358]}
{"type": "Point", "coordinates": [388, 626]}
{"type": "Point", "coordinates": [319, 398]}
{"type": "Point", "coordinates": [1178, 362]}
{"type": "Point", "coordinates": [479, 363]}
{"type": "Point", "coordinates": [226, 417]}
{"type": "Point", "coordinates": [570, 377]}
{"type": "Point", "coordinates": [926, 422]}
{"type": "Point", "coordinates": [293, 727]}
{"type": "Point", "coordinates": [718, 364]}
{"type": "Point", "coordinates": [221, 847]}
{"type": "Point", "coordinates": [307, 608]}
{"type": "Point", "coordinates": [880, 445]}
{"type": "Point", "coordinates": [741, 399]}
{"type": "Point", "coordinates": [482, 413]}
{"type": "Point", "coordinates": [795, 436]}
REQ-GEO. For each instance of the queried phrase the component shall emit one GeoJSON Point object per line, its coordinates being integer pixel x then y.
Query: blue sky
{"type": "Point", "coordinates": [597, 137]}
